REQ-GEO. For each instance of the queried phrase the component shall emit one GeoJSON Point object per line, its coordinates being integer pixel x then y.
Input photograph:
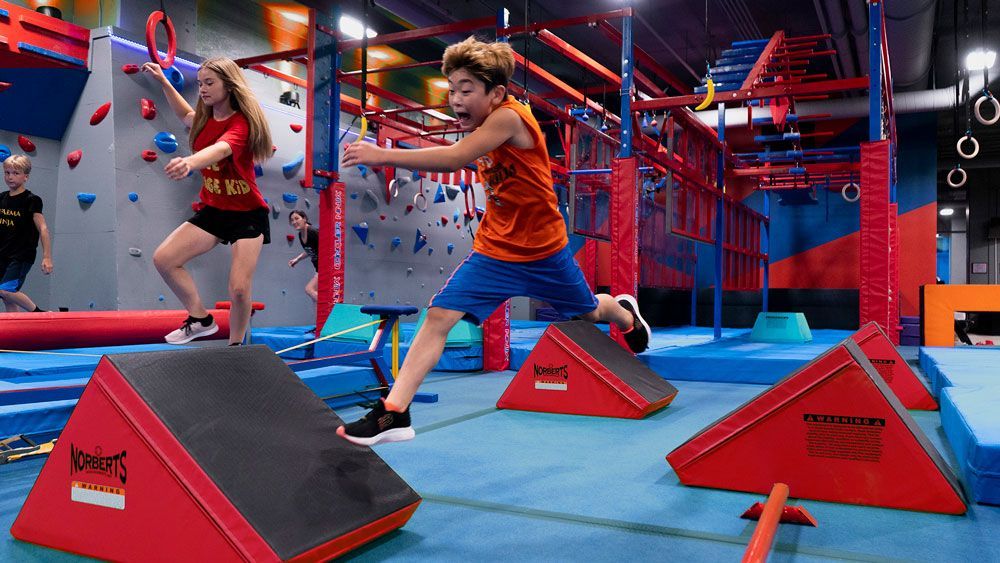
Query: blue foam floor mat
{"type": "Point", "coordinates": [971, 421]}
{"type": "Point", "coordinates": [526, 486]}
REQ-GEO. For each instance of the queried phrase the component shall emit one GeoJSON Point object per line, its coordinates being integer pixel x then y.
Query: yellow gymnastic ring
{"type": "Point", "coordinates": [710, 95]}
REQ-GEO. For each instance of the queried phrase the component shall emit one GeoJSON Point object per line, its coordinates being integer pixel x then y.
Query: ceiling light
{"type": "Point", "coordinates": [352, 28]}
{"type": "Point", "coordinates": [947, 212]}
{"type": "Point", "coordinates": [379, 54]}
{"type": "Point", "coordinates": [439, 83]}
{"type": "Point", "coordinates": [980, 59]}
{"type": "Point", "coordinates": [294, 17]}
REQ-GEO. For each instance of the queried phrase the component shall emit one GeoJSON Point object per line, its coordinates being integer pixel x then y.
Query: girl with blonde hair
{"type": "Point", "coordinates": [228, 134]}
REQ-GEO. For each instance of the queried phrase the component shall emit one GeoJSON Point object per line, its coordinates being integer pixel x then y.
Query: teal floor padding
{"type": "Point", "coordinates": [502, 485]}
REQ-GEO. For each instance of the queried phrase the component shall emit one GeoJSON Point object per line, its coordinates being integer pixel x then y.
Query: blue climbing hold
{"type": "Point", "coordinates": [414, 175]}
{"type": "Point", "coordinates": [361, 229]}
{"type": "Point", "coordinates": [292, 166]}
{"type": "Point", "coordinates": [354, 195]}
{"type": "Point", "coordinates": [364, 170]}
{"type": "Point", "coordinates": [161, 297]}
{"type": "Point", "coordinates": [371, 294]}
{"type": "Point", "coordinates": [454, 217]}
{"type": "Point", "coordinates": [430, 251]}
{"type": "Point", "coordinates": [85, 197]}
{"type": "Point", "coordinates": [420, 242]}
{"type": "Point", "coordinates": [4, 152]}
{"type": "Point", "coordinates": [439, 196]}
{"type": "Point", "coordinates": [133, 197]}
{"type": "Point", "coordinates": [462, 185]}
{"type": "Point", "coordinates": [258, 170]}
{"type": "Point", "coordinates": [451, 248]}
{"type": "Point", "coordinates": [289, 197]}
{"type": "Point", "coordinates": [396, 241]}
{"type": "Point", "coordinates": [175, 77]}
{"type": "Point", "coordinates": [165, 141]}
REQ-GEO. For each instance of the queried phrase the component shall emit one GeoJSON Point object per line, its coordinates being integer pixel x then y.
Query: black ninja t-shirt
{"type": "Point", "coordinates": [18, 235]}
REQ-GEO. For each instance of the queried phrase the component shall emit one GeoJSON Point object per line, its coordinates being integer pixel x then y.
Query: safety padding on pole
{"type": "Point", "coordinates": [876, 299]}
{"type": "Point", "coordinates": [624, 231]}
{"type": "Point", "coordinates": [576, 369]}
{"type": "Point", "coordinates": [882, 353]}
{"type": "Point", "coordinates": [833, 431]}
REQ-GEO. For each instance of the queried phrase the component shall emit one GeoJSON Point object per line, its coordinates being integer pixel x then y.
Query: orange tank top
{"type": "Point", "coordinates": [522, 222]}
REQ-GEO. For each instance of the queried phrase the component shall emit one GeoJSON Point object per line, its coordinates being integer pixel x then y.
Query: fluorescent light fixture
{"type": "Point", "coordinates": [379, 54]}
{"type": "Point", "coordinates": [352, 28]}
{"type": "Point", "coordinates": [946, 212]}
{"type": "Point", "coordinates": [439, 83]}
{"type": "Point", "coordinates": [980, 59]}
{"type": "Point", "coordinates": [294, 17]}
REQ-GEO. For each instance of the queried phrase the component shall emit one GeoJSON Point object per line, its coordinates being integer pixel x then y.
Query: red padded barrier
{"type": "Point", "coordinates": [875, 297]}
{"type": "Point", "coordinates": [45, 331]}
{"type": "Point", "coordinates": [833, 431]}
{"type": "Point", "coordinates": [882, 353]}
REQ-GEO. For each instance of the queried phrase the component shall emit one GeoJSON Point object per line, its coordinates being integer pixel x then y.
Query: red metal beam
{"type": "Point", "coordinates": [765, 56]}
{"type": "Point", "coordinates": [646, 60]}
{"type": "Point", "coordinates": [290, 55]}
{"type": "Point", "coordinates": [579, 57]}
{"type": "Point", "coordinates": [555, 24]}
{"type": "Point", "coordinates": [390, 68]}
{"type": "Point", "coordinates": [771, 91]}
{"type": "Point", "coordinates": [268, 71]}
{"type": "Point", "coordinates": [815, 170]}
{"type": "Point", "coordinates": [422, 33]}
{"type": "Point", "coordinates": [567, 91]}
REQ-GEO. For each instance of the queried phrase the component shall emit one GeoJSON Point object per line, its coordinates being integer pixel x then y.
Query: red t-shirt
{"type": "Point", "coordinates": [229, 184]}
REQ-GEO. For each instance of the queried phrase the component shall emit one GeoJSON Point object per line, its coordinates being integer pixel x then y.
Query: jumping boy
{"type": "Point", "coordinates": [22, 225]}
{"type": "Point", "coordinates": [521, 247]}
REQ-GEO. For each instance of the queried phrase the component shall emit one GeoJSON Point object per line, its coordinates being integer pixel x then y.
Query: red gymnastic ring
{"type": "Point", "coordinates": [154, 19]}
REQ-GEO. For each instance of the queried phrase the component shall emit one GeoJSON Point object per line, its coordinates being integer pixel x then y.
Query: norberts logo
{"type": "Point", "coordinates": [551, 371]}
{"type": "Point", "coordinates": [108, 465]}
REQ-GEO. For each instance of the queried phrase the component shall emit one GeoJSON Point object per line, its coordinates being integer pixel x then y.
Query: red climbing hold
{"type": "Point", "coordinates": [289, 237]}
{"type": "Point", "coordinates": [74, 157]}
{"type": "Point", "coordinates": [409, 207]}
{"type": "Point", "coordinates": [149, 155]}
{"type": "Point", "coordinates": [100, 114]}
{"type": "Point", "coordinates": [148, 108]}
{"type": "Point", "coordinates": [444, 221]}
{"type": "Point", "coordinates": [130, 69]}
{"type": "Point", "coordinates": [295, 127]}
{"type": "Point", "coordinates": [26, 144]}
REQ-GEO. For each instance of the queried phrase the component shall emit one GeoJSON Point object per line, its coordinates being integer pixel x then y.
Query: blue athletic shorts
{"type": "Point", "coordinates": [13, 272]}
{"type": "Point", "coordinates": [480, 284]}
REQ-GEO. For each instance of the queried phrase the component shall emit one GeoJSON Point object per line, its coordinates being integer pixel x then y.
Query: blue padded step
{"type": "Point", "coordinates": [744, 52]}
{"type": "Point", "coordinates": [281, 337]}
{"type": "Point", "coordinates": [759, 43]}
{"type": "Point", "coordinates": [724, 87]}
{"type": "Point", "coordinates": [734, 61]}
{"type": "Point", "coordinates": [971, 422]}
{"type": "Point", "coordinates": [934, 359]}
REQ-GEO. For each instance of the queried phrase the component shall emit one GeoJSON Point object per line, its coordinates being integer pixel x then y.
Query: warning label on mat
{"type": "Point", "coordinates": [853, 438]}
{"type": "Point", "coordinates": [98, 495]}
{"type": "Point", "coordinates": [885, 368]}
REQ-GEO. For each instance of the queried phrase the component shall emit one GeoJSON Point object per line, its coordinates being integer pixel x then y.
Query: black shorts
{"type": "Point", "coordinates": [231, 226]}
{"type": "Point", "coordinates": [13, 271]}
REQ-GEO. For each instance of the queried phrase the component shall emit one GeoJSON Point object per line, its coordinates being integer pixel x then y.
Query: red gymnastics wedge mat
{"type": "Point", "coordinates": [893, 368]}
{"type": "Point", "coordinates": [833, 431]}
{"type": "Point", "coordinates": [213, 454]}
{"type": "Point", "coordinates": [577, 369]}
{"type": "Point", "coordinates": [45, 331]}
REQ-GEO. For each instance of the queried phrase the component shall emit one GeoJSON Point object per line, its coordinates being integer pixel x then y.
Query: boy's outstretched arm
{"type": "Point", "coordinates": [496, 130]}
{"type": "Point", "coordinates": [43, 237]}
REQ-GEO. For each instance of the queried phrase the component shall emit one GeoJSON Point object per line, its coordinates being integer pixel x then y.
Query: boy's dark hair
{"type": "Point", "coordinates": [493, 63]}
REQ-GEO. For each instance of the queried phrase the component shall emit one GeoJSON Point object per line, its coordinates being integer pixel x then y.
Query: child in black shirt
{"type": "Point", "coordinates": [22, 226]}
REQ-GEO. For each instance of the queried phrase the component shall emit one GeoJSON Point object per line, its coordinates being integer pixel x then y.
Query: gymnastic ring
{"type": "Point", "coordinates": [857, 195]}
{"type": "Point", "coordinates": [420, 195]}
{"type": "Point", "coordinates": [996, 109]}
{"type": "Point", "coordinates": [470, 212]}
{"type": "Point", "coordinates": [154, 19]}
{"type": "Point", "coordinates": [393, 189]}
{"type": "Point", "coordinates": [975, 146]}
{"type": "Point", "coordinates": [959, 183]}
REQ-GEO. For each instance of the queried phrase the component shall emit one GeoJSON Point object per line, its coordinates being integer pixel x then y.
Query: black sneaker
{"type": "Point", "coordinates": [637, 338]}
{"type": "Point", "coordinates": [379, 425]}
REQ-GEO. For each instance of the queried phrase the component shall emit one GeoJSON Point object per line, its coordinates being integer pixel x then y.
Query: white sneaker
{"type": "Point", "coordinates": [191, 329]}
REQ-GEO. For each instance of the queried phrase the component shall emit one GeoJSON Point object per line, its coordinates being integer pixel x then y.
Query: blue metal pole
{"type": "Point", "coordinates": [626, 91]}
{"type": "Point", "coordinates": [720, 225]}
{"type": "Point", "coordinates": [875, 71]}
{"type": "Point", "coordinates": [765, 245]}
{"type": "Point", "coordinates": [503, 15]}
